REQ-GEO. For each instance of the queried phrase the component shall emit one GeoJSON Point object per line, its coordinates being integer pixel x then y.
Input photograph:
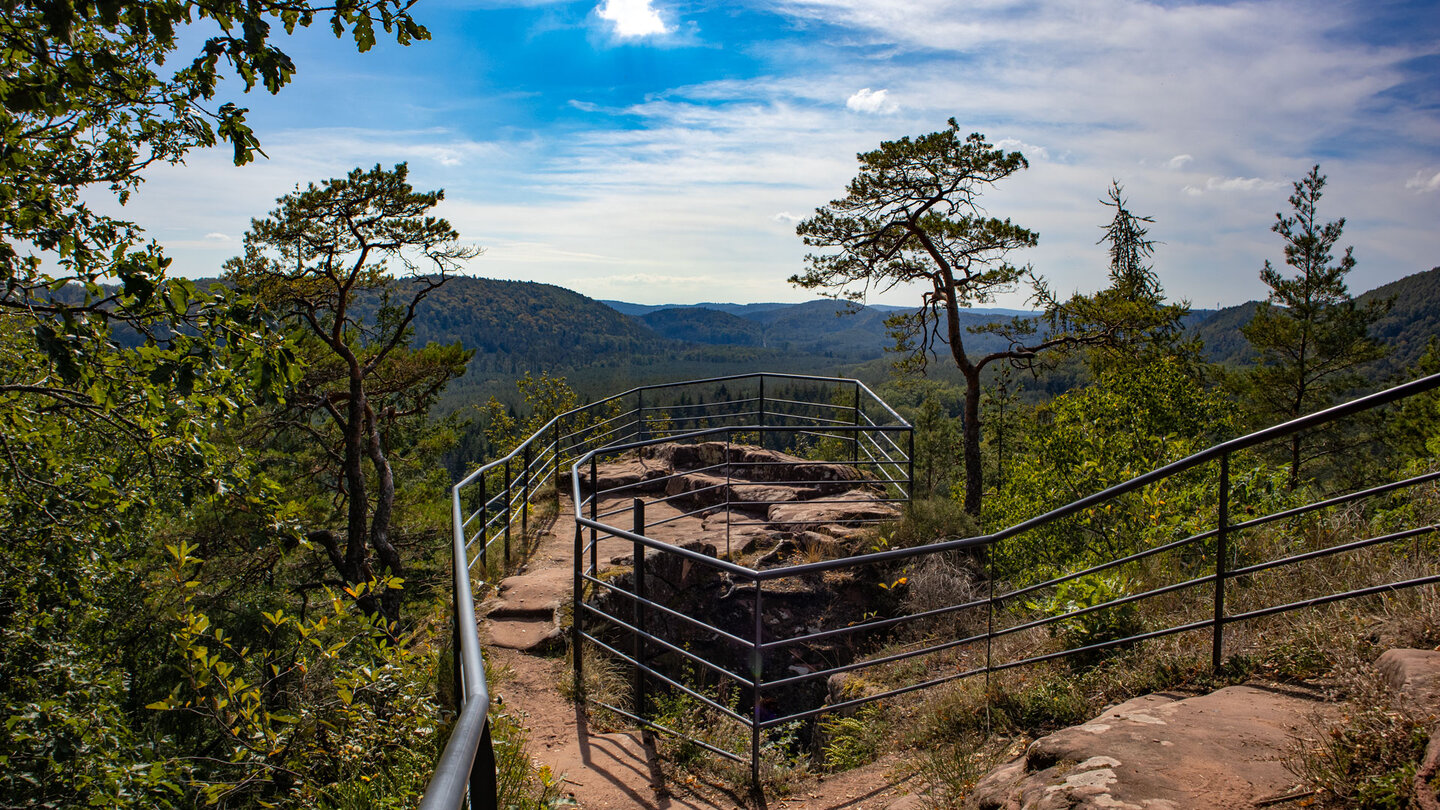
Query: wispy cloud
{"type": "Point", "coordinates": [1204, 111]}
{"type": "Point", "coordinates": [1029, 150]}
{"type": "Point", "coordinates": [1425, 180]}
{"type": "Point", "coordinates": [1225, 184]}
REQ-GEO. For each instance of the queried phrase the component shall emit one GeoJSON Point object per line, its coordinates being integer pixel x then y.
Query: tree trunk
{"type": "Point", "coordinates": [974, 480]}
{"type": "Point", "coordinates": [380, 521]}
{"type": "Point", "coordinates": [357, 505]}
{"type": "Point", "coordinates": [1294, 461]}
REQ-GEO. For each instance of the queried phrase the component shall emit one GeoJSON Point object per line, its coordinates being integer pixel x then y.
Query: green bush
{"type": "Point", "coordinates": [1096, 627]}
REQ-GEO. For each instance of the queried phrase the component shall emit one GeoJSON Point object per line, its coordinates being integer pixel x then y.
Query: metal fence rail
{"type": "Point", "coordinates": [746, 664]}
{"type": "Point", "coordinates": [841, 421]}
{"type": "Point", "coordinates": [491, 508]}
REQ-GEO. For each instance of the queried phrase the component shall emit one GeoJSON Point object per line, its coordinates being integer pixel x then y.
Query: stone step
{"type": "Point", "coordinates": [525, 635]}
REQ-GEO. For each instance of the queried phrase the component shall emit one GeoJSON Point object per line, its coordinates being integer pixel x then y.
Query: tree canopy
{"type": "Point", "coordinates": [308, 261]}
{"type": "Point", "coordinates": [912, 215]}
{"type": "Point", "coordinates": [1309, 333]}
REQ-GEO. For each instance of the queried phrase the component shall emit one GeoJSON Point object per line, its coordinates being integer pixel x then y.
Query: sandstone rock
{"type": "Point", "coordinates": [853, 506]}
{"type": "Point", "coordinates": [538, 594]}
{"type": "Point", "coordinates": [1225, 749]}
{"type": "Point", "coordinates": [750, 464]}
{"type": "Point", "coordinates": [1415, 674]}
{"type": "Point", "coordinates": [524, 614]}
{"type": "Point", "coordinates": [697, 490]}
{"type": "Point", "coordinates": [625, 473]}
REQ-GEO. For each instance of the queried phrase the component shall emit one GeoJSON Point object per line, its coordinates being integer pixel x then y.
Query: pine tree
{"type": "Point", "coordinates": [1310, 335]}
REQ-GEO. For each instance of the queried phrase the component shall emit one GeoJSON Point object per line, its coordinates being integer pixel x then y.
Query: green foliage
{"type": "Point", "coordinates": [1129, 422]}
{"type": "Point", "coordinates": [1413, 431]}
{"type": "Point", "coordinates": [90, 467]}
{"type": "Point", "coordinates": [1034, 702]}
{"type": "Point", "coordinates": [305, 712]}
{"type": "Point", "coordinates": [1310, 336]}
{"type": "Point", "coordinates": [854, 740]}
{"type": "Point", "coordinates": [1096, 627]}
{"type": "Point", "coordinates": [938, 442]}
{"type": "Point", "coordinates": [931, 520]}
{"type": "Point", "coordinates": [132, 675]}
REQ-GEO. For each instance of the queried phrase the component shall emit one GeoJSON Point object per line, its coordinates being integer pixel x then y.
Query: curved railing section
{"type": "Point", "coordinates": [492, 508]}
{"type": "Point", "coordinates": [734, 657]}
{"type": "Point", "coordinates": [761, 674]}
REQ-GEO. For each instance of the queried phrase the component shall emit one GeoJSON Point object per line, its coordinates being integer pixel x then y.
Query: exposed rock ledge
{"type": "Point", "coordinates": [1226, 749]}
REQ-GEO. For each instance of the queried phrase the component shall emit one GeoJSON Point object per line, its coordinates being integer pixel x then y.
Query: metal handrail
{"type": "Point", "coordinates": [1217, 578]}
{"type": "Point", "coordinates": [467, 763]}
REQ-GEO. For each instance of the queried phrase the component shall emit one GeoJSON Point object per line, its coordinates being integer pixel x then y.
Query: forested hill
{"type": "Point", "coordinates": [519, 326]}
{"type": "Point", "coordinates": [1413, 319]}
{"type": "Point", "coordinates": [604, 346]}
{"type": "Point", "coordinates": [514, 326]}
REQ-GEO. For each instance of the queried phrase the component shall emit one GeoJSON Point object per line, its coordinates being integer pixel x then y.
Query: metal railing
{"type": "Point", "coordinates": [492, 507]}
{"type": "Point", "coordinates": [752, 659]}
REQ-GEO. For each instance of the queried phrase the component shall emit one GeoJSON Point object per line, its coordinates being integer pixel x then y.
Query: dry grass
{"type": "Point", "coordinates": [1367, 757]}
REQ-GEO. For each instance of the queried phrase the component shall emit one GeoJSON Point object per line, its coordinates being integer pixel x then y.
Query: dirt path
{"type": "Point", "coordinates": [608, 771]}
{"type": "Point", "coordinates": [601, 770]}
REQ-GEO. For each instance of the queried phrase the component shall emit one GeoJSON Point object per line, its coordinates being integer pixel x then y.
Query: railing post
{"type": "Point", "coordinates": [577, 615]}
{"type": "Point", "coordinates": [760, 420]}
{"type": "Point", "coordinates": [855, 437]}
{"type": "Point", "coordinates": [639, 582]}
{"type": "Point", "coordinates": [757, 676]}
{"type": "Point", "coordinates": [558, 459]}
{"type": "Point", "coordinates": [594, 515]}
{"type": "Point", "coordinates": [484, 787]}
{"type": "Point", "coordinates": [729, 515]}
{"type": "Point", "coordinates": [640, 432]}
{"type": "Point", "coordinates": [910, 466]}
{"type": "Point", "coordinates": [458, 679]}
{"type": "Point", "coordinates": [989, 627]}
{"type": "Point", "coordinates": [484, 529]}
{"type": "Point", "coordinates": [1222, 551]}
{"type": "Point", "coordinates": [509, 500]}
{"type": "Point", "coordinates": [525, 499]}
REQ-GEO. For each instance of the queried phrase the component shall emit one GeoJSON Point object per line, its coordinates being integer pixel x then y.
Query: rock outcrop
{"type": "Point", "coordinates": [1227, 749]}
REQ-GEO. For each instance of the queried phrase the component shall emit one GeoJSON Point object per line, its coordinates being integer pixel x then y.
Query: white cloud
{"type": "Point", "coordinates": [218, 237]}
{"type": "Point", "coordinates": [1029, 150]}
{"type": "Point", "coordinates": [1424, 180]}
{"type": "Point", "coordinates": [680, 202]}
{"type": "Point", "coordinates": [632, 18]}
{"type": "Point", "coordinates": [1241, 184]}
{"type": "Point", "coordinates": [871, 101]}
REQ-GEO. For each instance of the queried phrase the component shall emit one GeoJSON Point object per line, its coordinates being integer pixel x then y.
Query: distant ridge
{"type": "Point", "coordinates": [1413, 319]}
{"type": "Point", "coordinates": [516, 327]}
{"type": "Point", "coordinates": [754, 311]}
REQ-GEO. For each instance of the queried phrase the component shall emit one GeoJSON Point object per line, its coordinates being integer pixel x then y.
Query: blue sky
{"type": "Point", "coordinates": [659, 152]}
